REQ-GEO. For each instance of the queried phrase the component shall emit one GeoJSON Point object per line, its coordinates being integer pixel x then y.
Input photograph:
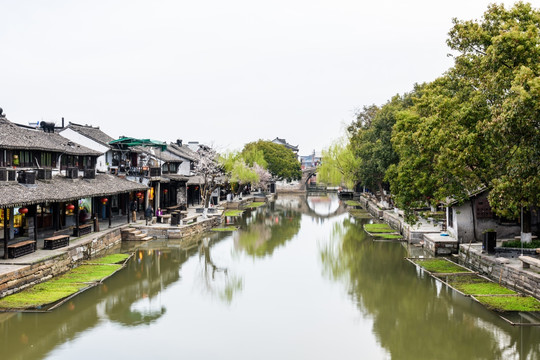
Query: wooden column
{"type": "Point", "coordinates": [77, 222]}
{"type": "Point", "coordinates": [6, 232]}
{"type": "Point", "coordinates": [157, 196]}
{"type": "Point", "coordinates": [35, 222]}
{"type": "Point", "coordinates": [126, 205]}
{"type": "Point", "coordinates": [109, 213]}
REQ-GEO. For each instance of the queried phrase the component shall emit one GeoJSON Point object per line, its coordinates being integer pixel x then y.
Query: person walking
{"type": "Point", "coordinates": [148, 213]}
{"type": "Point", "coordinates": [133, 208]}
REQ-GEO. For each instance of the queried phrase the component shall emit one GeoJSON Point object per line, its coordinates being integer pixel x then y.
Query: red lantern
{"type": "Point", "coordinates": [140, 195]}
{"type": "Point", "coordinates": [23, 210]}
{"type": "Point", "coordinates": [104, 201]}
{"type": "Point", "coordinates": [165, 191]}
{"type": "Point", "coordinates": [70, 207]}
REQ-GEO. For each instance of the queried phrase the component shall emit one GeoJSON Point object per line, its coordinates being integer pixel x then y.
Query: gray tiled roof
{"type": "Point", "coordinates": [61, 189]}
{"type": "Point", "coordinates": [15, 137]}
{"type": "Point", "coordinates": [183, 151]}
{"type": "Point", "coordinates": [91, 132]}
{"type": "Point", "coordinates": [165, 156]}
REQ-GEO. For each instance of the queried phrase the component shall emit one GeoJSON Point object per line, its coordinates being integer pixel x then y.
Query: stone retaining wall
{"type": "Point", "coordinates": [44, 269]}
{"type": "Point", "coordinates": [514, 278]}
{"type": "Point", "coordinates": [169, 232]}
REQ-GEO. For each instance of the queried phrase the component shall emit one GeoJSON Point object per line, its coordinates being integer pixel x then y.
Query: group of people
{"type": "Point", "coordinates": [148, 213]}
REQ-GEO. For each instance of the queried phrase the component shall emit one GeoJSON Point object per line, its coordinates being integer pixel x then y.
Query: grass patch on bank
{"type": "Point", "coordinates": [255, 204]}
{"type": "Point", "coordinates": [40, 295]}
{"type": "Point", "coordinates": [352, 203]}
{"type": "Point", "coordinates": [109, 259]}
{"type": "Point", "coordinates": [475, 285]}
{"type": "Point", "coordinates": [359, 214]}
{"type": "Point", "coordinates": [233, 213]}
{"type": "Point", "coordinates": [224, 229]}
{"type": "Point", "coordinates": [62, 286]}
{"type": "Point", "coordinates": [440, 266]}
{"type": "Point", "coordinates": [378, 228]}
{"type": "Point", "coordinates": [510, 303]}
{"type": "Point", "coordinates": [89, 273]}
{"type": "Point", "coordinates": [389, 236]}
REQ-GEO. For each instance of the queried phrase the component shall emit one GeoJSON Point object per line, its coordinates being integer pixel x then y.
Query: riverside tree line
{"type": "Point", "coordinates": [474, 128]}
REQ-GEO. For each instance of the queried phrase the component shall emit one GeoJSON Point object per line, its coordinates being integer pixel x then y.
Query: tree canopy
{"type": "Point", "coordinates": [475, 128]}
{"type": "Point", "coordinates": [281, 162]}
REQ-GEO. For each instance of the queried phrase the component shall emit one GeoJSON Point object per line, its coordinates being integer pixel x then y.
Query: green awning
{"type": "Point", "coordinates": [129, 142]}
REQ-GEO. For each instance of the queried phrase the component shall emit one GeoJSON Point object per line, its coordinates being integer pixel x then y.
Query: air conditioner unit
{"type": "Point", "coordinates": [44, 174]}
{"type": "Point", "coordinates": [89, 173]}
{"type": "Point", "coordinates": [27, 177]}
{"type": "Point", "coordinates": [72, 172]}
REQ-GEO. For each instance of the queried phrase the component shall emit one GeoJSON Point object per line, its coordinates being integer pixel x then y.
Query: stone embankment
{"type": "Point", "coordinates": [172, 232]}
{"type": "Point", "coordinates": [507, 271]}
{"type": "Point", "coordinates": [42, 265]}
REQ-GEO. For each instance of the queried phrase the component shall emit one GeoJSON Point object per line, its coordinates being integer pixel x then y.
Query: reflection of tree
{"type": "Point", "coordinates": [142, 280]}
{"type": "Point", "coordinates": [155, 269]}
{"type": "Point", "coordinates": [217, 280]}
{"type": "Point", "coordinates": [410, 318]}
{"type": "Point", "coordinates": [268, 231]}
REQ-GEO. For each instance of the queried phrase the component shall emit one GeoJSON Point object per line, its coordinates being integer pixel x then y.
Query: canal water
{"type": "Point", "coordinates": [300, 279]}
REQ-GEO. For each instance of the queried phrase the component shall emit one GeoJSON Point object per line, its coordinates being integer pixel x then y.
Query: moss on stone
{"type": "Point", "coordinates": [224, 229]}
{"type": "Point", "coordinates": [510, 303]}
{"type": "Point", "coordinates": [378, 228]}
{"type": "Point", "coordinates": [60, 287]}
{"type": "Point", "coordinates": [233, 213]}
{"type": "Point", "coordinates": [255, 204]}
{"type": "Point", "coordinates": [109, 259]}
{"type": "Point", "coordinates": [359, 214]}
{"type": "Point", "coordinates": [440, 266]}
{"type": "Point", "coordinates": [476, 285]}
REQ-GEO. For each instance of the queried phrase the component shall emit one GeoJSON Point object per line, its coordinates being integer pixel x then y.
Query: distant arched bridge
{"type": "Point", "coordinates": [307, 174]}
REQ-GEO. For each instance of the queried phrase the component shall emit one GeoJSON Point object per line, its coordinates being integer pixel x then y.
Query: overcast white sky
{"type": "Point", "coordinates": [220, 72]}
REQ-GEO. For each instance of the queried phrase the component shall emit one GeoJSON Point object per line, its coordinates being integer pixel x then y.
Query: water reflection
{"type": "Point", "coordinates": [129, 298]}
{"type": "Point", "coordinates": [269, 229]}
{"type": "Point", "coordinates": [217, 279]}
{"type": "Point", "coordinates": [414, 317]}
{"type": "Point", "coordinates": [259, 293]}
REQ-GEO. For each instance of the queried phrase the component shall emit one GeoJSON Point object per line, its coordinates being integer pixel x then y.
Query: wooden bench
{"type": "Point", "coordinates": [187, 219]}
{"type": "Point", "coordinates": [56, 242]}
{"type": "Point", "coordinates": [21, 248]}
{"type": "Point", "coordinates": [82, 230]}
{"type": "Point", "coordinates": [528, 261]}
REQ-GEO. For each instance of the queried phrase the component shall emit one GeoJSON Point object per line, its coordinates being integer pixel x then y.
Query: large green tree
{"type": "Point", "coordinates": [371, 142]}
{"type": "Point", "coordinates": [499, 56]}
{"type": "Point", "coordinates": [477, 126]}
{"type": "Point", "coordinates": [281, 162]}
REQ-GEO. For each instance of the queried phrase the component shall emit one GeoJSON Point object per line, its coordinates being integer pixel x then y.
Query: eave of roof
{"type": "Point", "coordinates": [61, 189]}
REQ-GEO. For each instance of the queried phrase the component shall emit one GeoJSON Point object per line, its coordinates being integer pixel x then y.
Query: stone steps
{"type": "Point", "coordinates": [132, 234]}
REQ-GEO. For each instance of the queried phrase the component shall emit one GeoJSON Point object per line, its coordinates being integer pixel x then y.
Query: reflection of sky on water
{"type": "Point", "coordinates": [323, 205]}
